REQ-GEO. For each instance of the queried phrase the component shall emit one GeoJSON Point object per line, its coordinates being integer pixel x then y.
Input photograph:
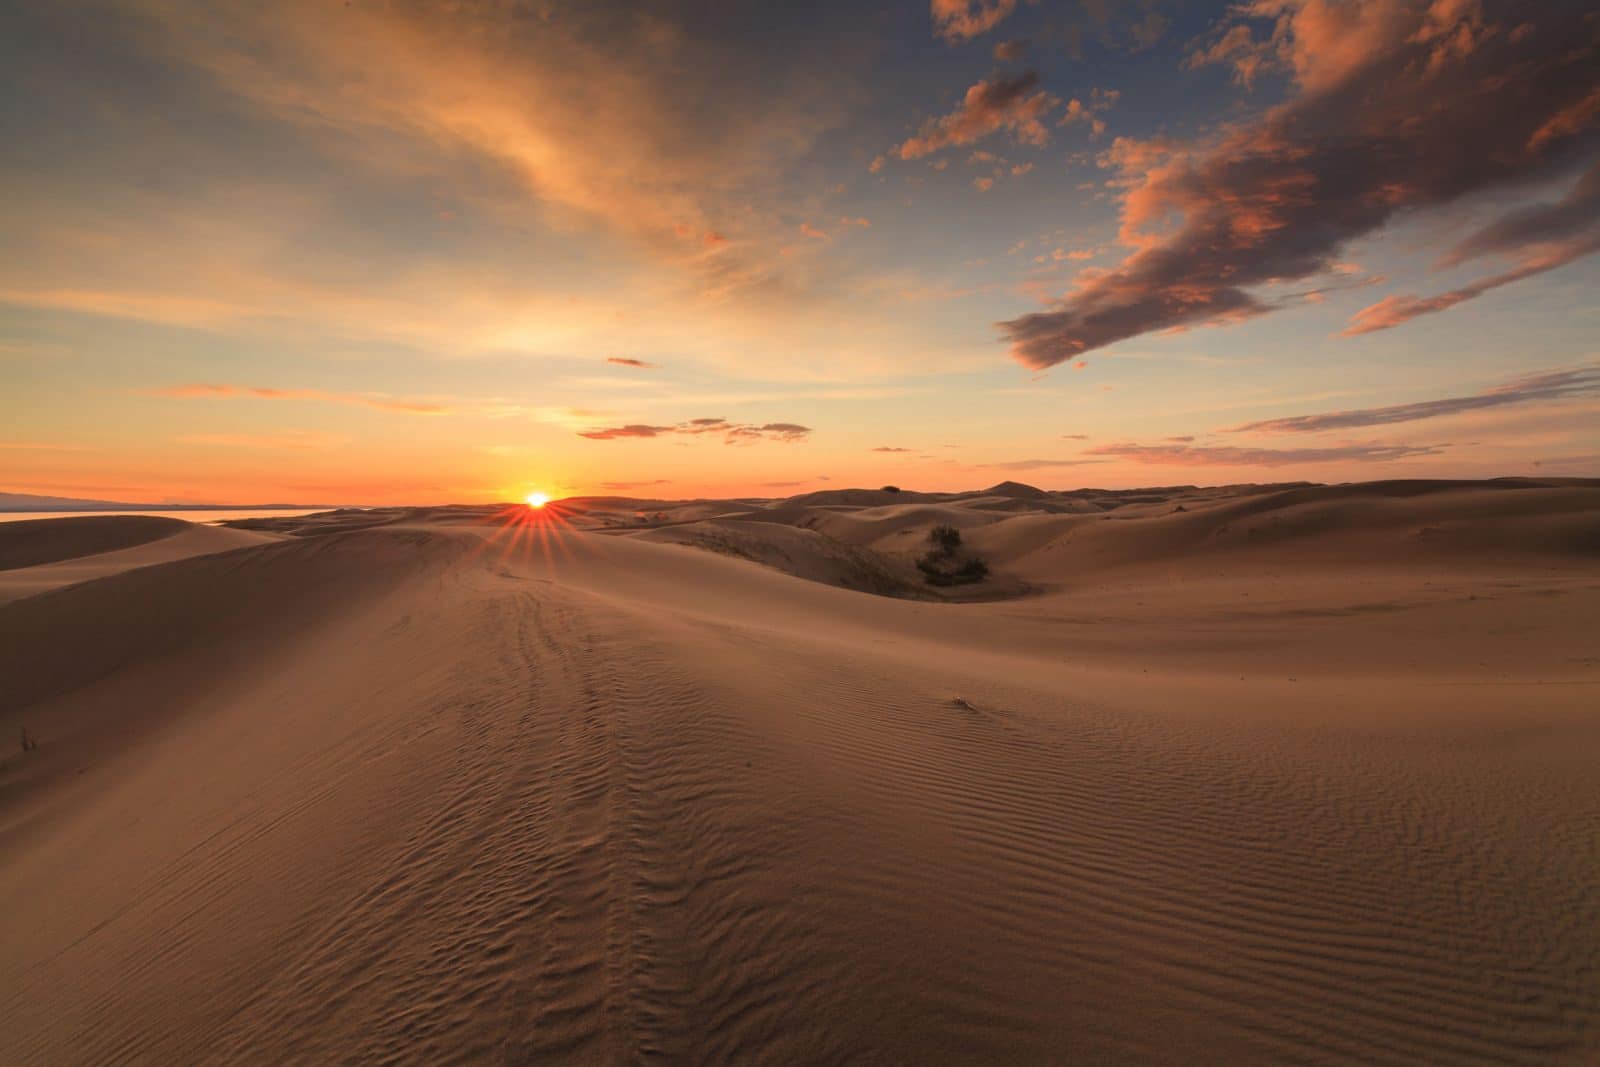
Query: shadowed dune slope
{"type": "Point", "coordinates": [438, 792]}
{"type": "Point", "coordinates": [183, 540]}
{"type": "Point", "coordinates": [30, 542]}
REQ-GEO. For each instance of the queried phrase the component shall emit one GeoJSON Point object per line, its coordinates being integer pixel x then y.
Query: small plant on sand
{"type": "Point", "coordinates": [945, 564]}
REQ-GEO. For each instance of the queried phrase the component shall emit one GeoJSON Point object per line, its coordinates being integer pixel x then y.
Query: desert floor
{"type": "Point", "coordinates": [1257, 774]}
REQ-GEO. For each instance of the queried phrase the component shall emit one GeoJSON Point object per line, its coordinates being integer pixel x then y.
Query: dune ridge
{"type": "Point", "coordinates": [462, 785]}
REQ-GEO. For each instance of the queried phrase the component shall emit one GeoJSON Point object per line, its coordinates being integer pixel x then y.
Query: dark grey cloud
{"type": "Point", "coordinates": [1549, 385]}
{"type": "Point", "coordinates": [1507, 102]}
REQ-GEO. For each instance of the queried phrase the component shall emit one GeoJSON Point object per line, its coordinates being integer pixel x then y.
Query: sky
{"type": "Point", "coordinates": [364, 252]}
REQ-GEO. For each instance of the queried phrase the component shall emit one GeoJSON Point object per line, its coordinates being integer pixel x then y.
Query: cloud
{"type": "Point", "coordinates": [731, 433]}
{"type": "Point", "coordinates": [994, 104]}
{"type": "Point", "coordinates": [1074, 437]}
{"type": "Point", "coordinates": [633, 429]}
{"type": "Point", "coordinates": [202, 390]}
{"type": "Point", "coordinates": [1179, 455]}
{"type": "Point", "coordinates": [1039, 464]}
{"type": "Point", "coordinates": [39, 446]}
{"type": "Point", "coordinates": [1548, 385]}
{"type": "Point", "coordinates": [1278, 198]}
{"type": "Point", "coordinates": [961, 20]}
{"type": "Point", "coordinates": [597, 114]}
{"type": "Point", "coordinates": [887, 448]}
{"type": "Point", "coordinates": [1100, 100]}
{"type": "Point", "coordinates": [1538, 239]}
{"type": "Point", "coordinates": [288, 439]}
{"type": "Point", "coordinates": [633, 485]}
{"type": "Point", "coordinates": [1011, 51]}
{"type": "Point", "coordinates": [626, 361]}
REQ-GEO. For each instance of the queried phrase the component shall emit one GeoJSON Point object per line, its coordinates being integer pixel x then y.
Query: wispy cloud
{"type": "Point", "coordinates": [731, 432]}
{"type": "Point", "coordinates": [1550, 385]}
{"type": "Point", "coordinates": [1178, 455]}
{"type": "Point", "coordinates": [634, 485]}
{"type": "Point", "coordinates": [890, 448]}
{"type": "Point", "coordinates": [628, 361]}
{"type": "Point", "coordinates": [1276, 200]}
{"type": "Point", "coordinates": [205, 390]}
{"type": "Point", "coordinates": [1039, 464]}
{"type": "Point", "coordinates": [290, 439]}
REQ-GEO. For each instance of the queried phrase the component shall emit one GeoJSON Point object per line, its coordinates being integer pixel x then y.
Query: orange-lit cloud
{"type": "Point", "coordinates": [992, 105]}
{"type": "Point", "coordinates": [1277, 200]}
{"type": "Point", "coordinates": [730, 432]}
{"type": "Point", "coordinates": [959, 20]}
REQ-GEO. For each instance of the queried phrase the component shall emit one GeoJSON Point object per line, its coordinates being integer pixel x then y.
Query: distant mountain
{"type": "Point", "coordinates": [31, 502]}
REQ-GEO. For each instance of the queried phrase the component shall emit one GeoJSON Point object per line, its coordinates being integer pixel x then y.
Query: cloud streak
{"type": "Point", "coordinates": [1538, 239]}
{"type": "Point", "coordinates": [206, 390]}
{"type": "Point", "coordinates": [1551, 385]}
{"type": "Point", "coordinates": [1275, 200]}
{"type": "Point", "coordinates": [626, 361]}
{"type": "Point", "coordinates": [732, 433]}
{"type": "Point", "coordinates": [1177, 455]}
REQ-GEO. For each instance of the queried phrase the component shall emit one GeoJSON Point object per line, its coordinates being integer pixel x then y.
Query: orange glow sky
{"type": "Point", "coordinates": [422, 253]}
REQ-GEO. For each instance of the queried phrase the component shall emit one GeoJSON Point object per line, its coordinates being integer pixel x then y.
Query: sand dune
{"type": "Point", "coordinates": [1301, 775]}
{"type": "Point", "coordinates": [45, 554]}
{"type": "Point", "coordinates": [30, 542]}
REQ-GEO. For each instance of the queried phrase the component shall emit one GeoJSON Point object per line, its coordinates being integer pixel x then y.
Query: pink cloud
{"type": "Point", "coordinates": [960, 20]}
{"type": "Point", "coordinates": [1277, 199]}
{"type": "Point", "coordinates": [1014, 104]}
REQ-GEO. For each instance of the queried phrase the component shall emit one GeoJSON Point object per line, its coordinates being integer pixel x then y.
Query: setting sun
{"type": "Point", "coordinates": [537, 500]}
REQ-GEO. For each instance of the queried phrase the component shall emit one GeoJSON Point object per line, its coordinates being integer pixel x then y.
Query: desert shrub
{"type": "Point", "coordinates": [891, 489]}
{"type": "Point", "coordinates": [973, 570]}
{"type": "Point", "coordinates": [945, 565]}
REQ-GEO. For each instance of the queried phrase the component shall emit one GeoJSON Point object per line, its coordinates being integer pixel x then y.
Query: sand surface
{"type": "Point", "coordinates": [1254, 775]}
{"type": "Point", "coordinates": [37, 555]}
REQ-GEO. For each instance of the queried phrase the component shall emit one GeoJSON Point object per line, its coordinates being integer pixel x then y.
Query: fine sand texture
{"type": "Point", "coordinates": [1247, 775]}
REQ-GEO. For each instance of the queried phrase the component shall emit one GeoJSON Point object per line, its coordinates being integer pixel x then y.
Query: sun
{"type": "Point", "coordinates": [537, 500]}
